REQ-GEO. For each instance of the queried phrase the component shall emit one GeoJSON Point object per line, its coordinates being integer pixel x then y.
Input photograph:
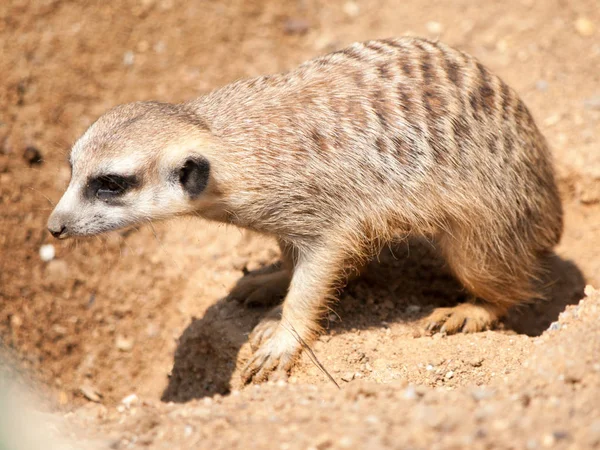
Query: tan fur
{"type": "Point", "coordinates": [367, 145]}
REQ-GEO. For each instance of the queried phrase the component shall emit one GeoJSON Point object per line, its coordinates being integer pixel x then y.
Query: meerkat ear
{"type": "Point", "coordinates": [193, 176]}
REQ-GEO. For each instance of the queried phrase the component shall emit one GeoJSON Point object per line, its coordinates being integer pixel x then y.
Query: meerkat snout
{"type": "Point", "coordinates": [128, 168]}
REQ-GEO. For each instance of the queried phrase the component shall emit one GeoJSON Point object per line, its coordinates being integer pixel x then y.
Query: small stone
{"type": "Point", "coordinates": [554, 326]}
{"type": "Point", "coordinates": [434, 27]}
{"type": "Point", "coordinates": [128, 58]}
{"type": "Point", "coordinates": [33, 156]}
{"type": "Point", "coordinates": [589, 290]}
{"type": "Point", "coordinates": [413, 309]}
{"type": "Point", "coordinates": [502, 45]}
{"type": "Point", "coordinates": [552, 120]}
{"type": "Point", "coordinates": [152, 330]}
{"type": "Point", "coordinates": [347, 377]}
{"type": "Point", "coordinates": [346, 442]}
{"type": "Point", "coordinates": [59, 329]}
{"type": "Point", "coordinates": [541, 85]}
{"type": "Point", "coordinates": [131, 399]}
{"type": "Point", "coordinates": [63, 398]}
{"type": "Point", "coordinates": [159, 47]}
{"type": "Point", "coordinates": [476, 362]}
{"type": "Point", "coordinates": [372, 419]}
{"type": "Point", "coordinates": [412, 393]}
{"type": "Point", "coordinates": [479, 394]}
{"type": "Point", "coordinates": [90, 393]}
{"type": "Point", "coordinates": [296, 25]}
{"type": "Point", "coordinates": [560, 435]}
{"type": "Point", "coordinates": [351, 9]}
{"type": "Point", "coordinates": [531, 444]}
{"type": "Point", "coordinates": [47, 252]}
{"type": "Point", "coordinates": [15, 321]}
{"type": "Point", "coordinates": [388, 304]}
{"type": "Point", "coordinates": [548, 440]}
{"type": "Point", "coordinates": [124, 344]}
{"type": "Point", "coordinates": [188, 430]}
{"type": "Point", "coordinates": [585, 27]}
{"type": "Point", "coordinates": [592, 102]}
{"type": "Point", "coordinates": [143, 46]}
{"type": "Point", "coordinates": [449, 375]}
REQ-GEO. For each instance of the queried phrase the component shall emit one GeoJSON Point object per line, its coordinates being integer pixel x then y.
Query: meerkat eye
{"type": "Point", "coordinates": [106, 187]}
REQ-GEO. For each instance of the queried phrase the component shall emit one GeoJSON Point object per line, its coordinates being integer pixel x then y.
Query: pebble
{"type": "Point", "coordinates": [449, 375]}
{"type": "Point", "coordinates": [592, 102]}
{"type": "Point", "coordinates": [541, 85]}
{"type": "Point", "coordinates": [351, 9]}
{"type": "Point", "coordinates": [128, 58]}
{"type": "Point", "coordinates": [413, 309]}
{"type": "Point", "coordinates": [554, 326]}
{"type": "Point", "coordinates": [410, 393]}
{"type": "Point", "coordinates": [47, 252]}
{"type": "Point", "coordinates": [585, 27]}
{"type": "Point", "coordinates": [90, 393]}
{"type": "Point", "coordinates": [434, 27]}
{"type": "Point", "coordinates": [347, 377]}
{"type": "Point", "coordinates": [372, 419]}
{"type": "Point", "coordinates": [63, 398]}
{"type": "Point", "coordinates": [124, 344]}
{"type": "Point", "coordinates": [476, 362]}
{"type": "Point", "coordinates": [479, 394]}
{"type": "Point", "coordinates": [131, 399]}
{"type": "Point", "coordinates": [548, 440]}
{"type": "Point", "coordinates": [296, 25]}
{"type": "Point", "coordinates": [552, 120]}
{"type": "Point", "coordinates": [152, 330]}
{"type": "Point", "coordinates": [15, 321]}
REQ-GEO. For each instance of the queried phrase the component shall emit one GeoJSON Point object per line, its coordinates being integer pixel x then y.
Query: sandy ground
{"type": "Point", "coordinates": [143, 312]}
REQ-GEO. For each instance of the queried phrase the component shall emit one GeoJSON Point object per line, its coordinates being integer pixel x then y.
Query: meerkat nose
{"type": "Point", "coordinates": [57, 227]}
{"type": "Point", "coordinates": [58, 232]}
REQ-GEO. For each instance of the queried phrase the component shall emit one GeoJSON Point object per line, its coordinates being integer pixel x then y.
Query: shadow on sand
{"type": "Point", "coordinates": [409, 275]}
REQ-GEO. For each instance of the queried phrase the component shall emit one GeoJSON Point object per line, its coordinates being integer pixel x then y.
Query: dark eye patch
{"type": "Point", "coordinates": [110, 186]}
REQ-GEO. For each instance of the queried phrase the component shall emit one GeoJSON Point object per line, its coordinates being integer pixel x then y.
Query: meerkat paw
{"type": "Point", "coordinates": [466, 318]}
{"type": "Point", "coordinates": [261, 289]}
{"type": "Point", "coordinates": [275, 350]}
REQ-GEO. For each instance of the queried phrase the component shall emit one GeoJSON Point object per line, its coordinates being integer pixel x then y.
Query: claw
{"type": "Point", "coordinates": [466, 318]}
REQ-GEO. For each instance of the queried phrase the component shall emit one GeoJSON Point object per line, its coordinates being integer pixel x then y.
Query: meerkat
{"type": "Point", "coordinates": [377, 142]}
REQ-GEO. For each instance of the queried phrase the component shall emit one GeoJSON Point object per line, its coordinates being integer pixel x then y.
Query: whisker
{"type": "Point", "coordinates": [161, 245]}
{"type": "Point", "coordinates": [310, 353]}
{"type": "Point", "coordinates": [43, 195]}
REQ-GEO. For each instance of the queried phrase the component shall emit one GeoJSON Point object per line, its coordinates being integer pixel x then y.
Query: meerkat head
{"type": "Point", "coordinates": [137, 163]}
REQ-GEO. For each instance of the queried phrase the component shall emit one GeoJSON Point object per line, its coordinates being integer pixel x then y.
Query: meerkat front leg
{"type": "Point", "coordinates": [266, 288]}
{"type": "Point", "coordinates": [276, 340]}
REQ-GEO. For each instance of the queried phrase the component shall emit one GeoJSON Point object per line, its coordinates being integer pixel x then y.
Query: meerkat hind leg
{"type": "Point", "coordinates": [494, 286]}
{"type": "Point", "coordinates": [266, 288]}
{"type": "Point", "coordinates": [279, 338]}
{"type": "Point", "coordinates": [467, 317]}
{"type": "Point", "coordinates": [263, 289]}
